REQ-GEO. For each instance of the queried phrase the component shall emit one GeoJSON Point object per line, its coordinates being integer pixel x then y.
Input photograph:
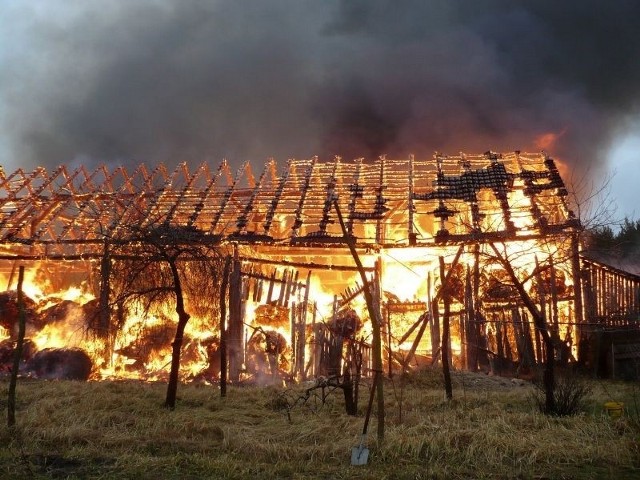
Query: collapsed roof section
{"type": "Point", "coordinates": [442, 200]}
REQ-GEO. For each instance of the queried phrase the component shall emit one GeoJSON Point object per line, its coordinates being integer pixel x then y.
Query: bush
{"type": "Point", "coordinates": [570, 394]}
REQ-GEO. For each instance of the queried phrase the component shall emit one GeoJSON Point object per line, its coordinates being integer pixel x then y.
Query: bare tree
{"type": "Point", "coordinates": [168, 263]}
{"type": "Point", "coordinates": [592, 201]}
{"type": "Point", "coordinates": [373, 307]}
{"type": "Point", "coordinates": [540, 323]}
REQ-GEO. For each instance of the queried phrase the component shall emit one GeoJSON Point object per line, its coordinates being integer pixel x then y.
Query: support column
{"type": "Point", "coordinates": [234, 340]}
{"type": "Point", "coordinates": [577, 293]}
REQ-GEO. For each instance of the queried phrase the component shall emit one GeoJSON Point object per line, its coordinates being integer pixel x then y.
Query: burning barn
{"type": "Point", "coordinates": [482, 245]}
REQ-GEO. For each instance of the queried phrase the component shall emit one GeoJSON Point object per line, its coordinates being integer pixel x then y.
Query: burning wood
{"type": "Point", "coordinates": [147, 343]}
{"type": "Point", "coordinates": [267, 354]}
{"type": "Point", "coordinates": [271, 316]}
{"type": "Point", "coordinates": [402, 216]}
{"type": "Point", "coordinates": [346, 324]}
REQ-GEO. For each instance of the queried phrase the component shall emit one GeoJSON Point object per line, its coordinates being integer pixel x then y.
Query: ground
{"type": "Point", "coordinates": [491, 429]}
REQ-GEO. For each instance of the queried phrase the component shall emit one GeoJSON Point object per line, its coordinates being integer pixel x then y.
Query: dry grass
{"type": "Point", "coordinates": [491, 430]}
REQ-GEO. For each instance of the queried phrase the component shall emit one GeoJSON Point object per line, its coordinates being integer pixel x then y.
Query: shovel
{"type": "Point", "coordinates": [360, 454]}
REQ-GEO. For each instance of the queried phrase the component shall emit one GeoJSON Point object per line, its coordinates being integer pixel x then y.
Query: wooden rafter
{"type": "Point", "coordinates": [446, 200]}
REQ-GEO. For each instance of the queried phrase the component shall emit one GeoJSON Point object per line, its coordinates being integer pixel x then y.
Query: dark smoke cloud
{"type": "Point", "coordinates": [168, 81]}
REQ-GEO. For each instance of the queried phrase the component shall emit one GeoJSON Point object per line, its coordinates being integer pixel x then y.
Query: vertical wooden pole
{"type": "Point", "coordinates": [538, 340]}
{"type": "Point", "coordinates": [283, 287]}
{"type": "Point", "coordinates": [412, 235]}
{"type": "Point", "coordinates": [554, 296]}
{"type": "Point", "coordinates": [505, 333]}
{"type": "Point", "coordinates": [303, 326]}
{"type": "Point", "coordinates": [223, 326]}
{"type": "Point", "coordinates": [17, 354]}
{"type": "Point", "coordinates": [576, 273]}
{"type": "Point", "coordinates": [436, 354]}
{"type": "Point", "coordinates": [435, 323]}
{"type": "Point", "coordinates": [290, 281]}
{"type": "Point", "coordinates": [270, 289]}
{"type": "Point", "coordinates": [11, 275]}
{"type": "Point", "coordinates": [499, 344]}
{"type": "Point", "coordinates": [471, 340]}
{"type": "Point", "coordinates": [445, 332]}
{"type": "Point", "coordinates": [317, 343]}
{"type": "Point", "coordinates": [462, 322]}
{"type": "Point", "coordinates": [481, 355]}
{"type": "Point", "coordinates": [104, 311]}
{"type": "Point", "coordinates": [235, 319]}
{"type": "Point", "coordinates": [293, 326]}
{"type": "Point", "coordinates": [389, 351]}
{"type": "Point", "coordinates": [527, 331]}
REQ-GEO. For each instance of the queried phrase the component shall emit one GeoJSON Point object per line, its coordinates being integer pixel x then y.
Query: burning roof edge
{"type": "Point", "coordinates": [386, 202]}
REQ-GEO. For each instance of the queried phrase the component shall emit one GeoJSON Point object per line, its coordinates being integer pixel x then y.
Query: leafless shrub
{"type": "Point", "coordinates": [570, 394]}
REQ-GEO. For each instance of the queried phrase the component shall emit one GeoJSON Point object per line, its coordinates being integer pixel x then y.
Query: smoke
{"type": "Point", "coordinates": [167, 81]}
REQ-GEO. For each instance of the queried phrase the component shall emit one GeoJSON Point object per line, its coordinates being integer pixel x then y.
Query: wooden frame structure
{"type": "Point", "coordinates": [285, 218]}
{"type": "Point", "coordinates": [67, 213]}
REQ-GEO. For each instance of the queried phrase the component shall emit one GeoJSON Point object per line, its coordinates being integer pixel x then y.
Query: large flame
{"type": "Point", "coordinates": [409, 280]}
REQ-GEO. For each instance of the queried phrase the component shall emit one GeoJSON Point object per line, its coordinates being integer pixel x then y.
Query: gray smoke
{"type": "Point", "coordinates": [169, 81]}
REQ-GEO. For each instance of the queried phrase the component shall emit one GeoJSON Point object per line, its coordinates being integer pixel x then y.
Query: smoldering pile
{"type": "Point", "coordinates": [68, 363]}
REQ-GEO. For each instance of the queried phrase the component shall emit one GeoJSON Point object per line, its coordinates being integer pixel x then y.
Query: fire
{"type": "Point", "coordinates": [405, 215]}
{"type": "Point", "coordinates": [405, 272]}
{"type": "Point", "coordinates": [409, 280]}
{"type": "Point", "coordinates": [67, 327]}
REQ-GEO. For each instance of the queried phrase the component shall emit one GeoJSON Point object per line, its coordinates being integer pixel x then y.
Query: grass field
{"type": "Point", "coordinates": [119, 430]}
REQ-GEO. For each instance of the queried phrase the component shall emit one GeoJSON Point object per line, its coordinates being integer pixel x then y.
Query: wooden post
{"type": "Point", "coordinates": [554, 297]}
{"type": "Point", "coordinates": [283, 288]}
{"type": "Point", "coordinates": [270, 289]}
{"type": "Point", "coordinates": [290, 282]}
{"type": "Point", "coordinates": [303, 326]}
{"type": "Point", "coordinates": [526, 325]}
{"type": "Point", "coordinates": [445, 332]}
{"type": "Point", "coordinates": [480, 334]}
{"type": "Point", "coordinates": [471, 339]}
{"type": "Point", "coordinates": [104, 311]}
{"type": "Point", "coordinates": [577, 292]}
{"type": "Point", "coordinates": [435, 323]}
{"type": "Point", "coordinates": [424, 320]}
{"type": "Point", "coordinates": [17, 354]}
{"type": "Point", "coordinates": [539, 353]}
{"type": "Point", "coordinates": [11, 275]}
{"type": "Point", "coordinates": [223, 327]}
{"type": "Point", "coordinates": [293, 326]}
{"type": "Point", "coordinates": [235, 320]}
{"type": "Point", "coordinates": [317, 345]}
{"type": "Point", "coordinates": [505, 339]}
{"type": "Point", "coordinates": [499, 344]}
{"type": "Point", "coordinates": [411, 206]}
{"type": "Point", "coordinates": [435, 320]}
{"type": "Point", "coordinates": [389, 351]}
{"type": "Point", "coordinates": [462, 320]}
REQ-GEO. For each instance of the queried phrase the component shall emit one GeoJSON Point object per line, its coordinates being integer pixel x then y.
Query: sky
{"type": "Point", "coordinates": [123, 82]}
